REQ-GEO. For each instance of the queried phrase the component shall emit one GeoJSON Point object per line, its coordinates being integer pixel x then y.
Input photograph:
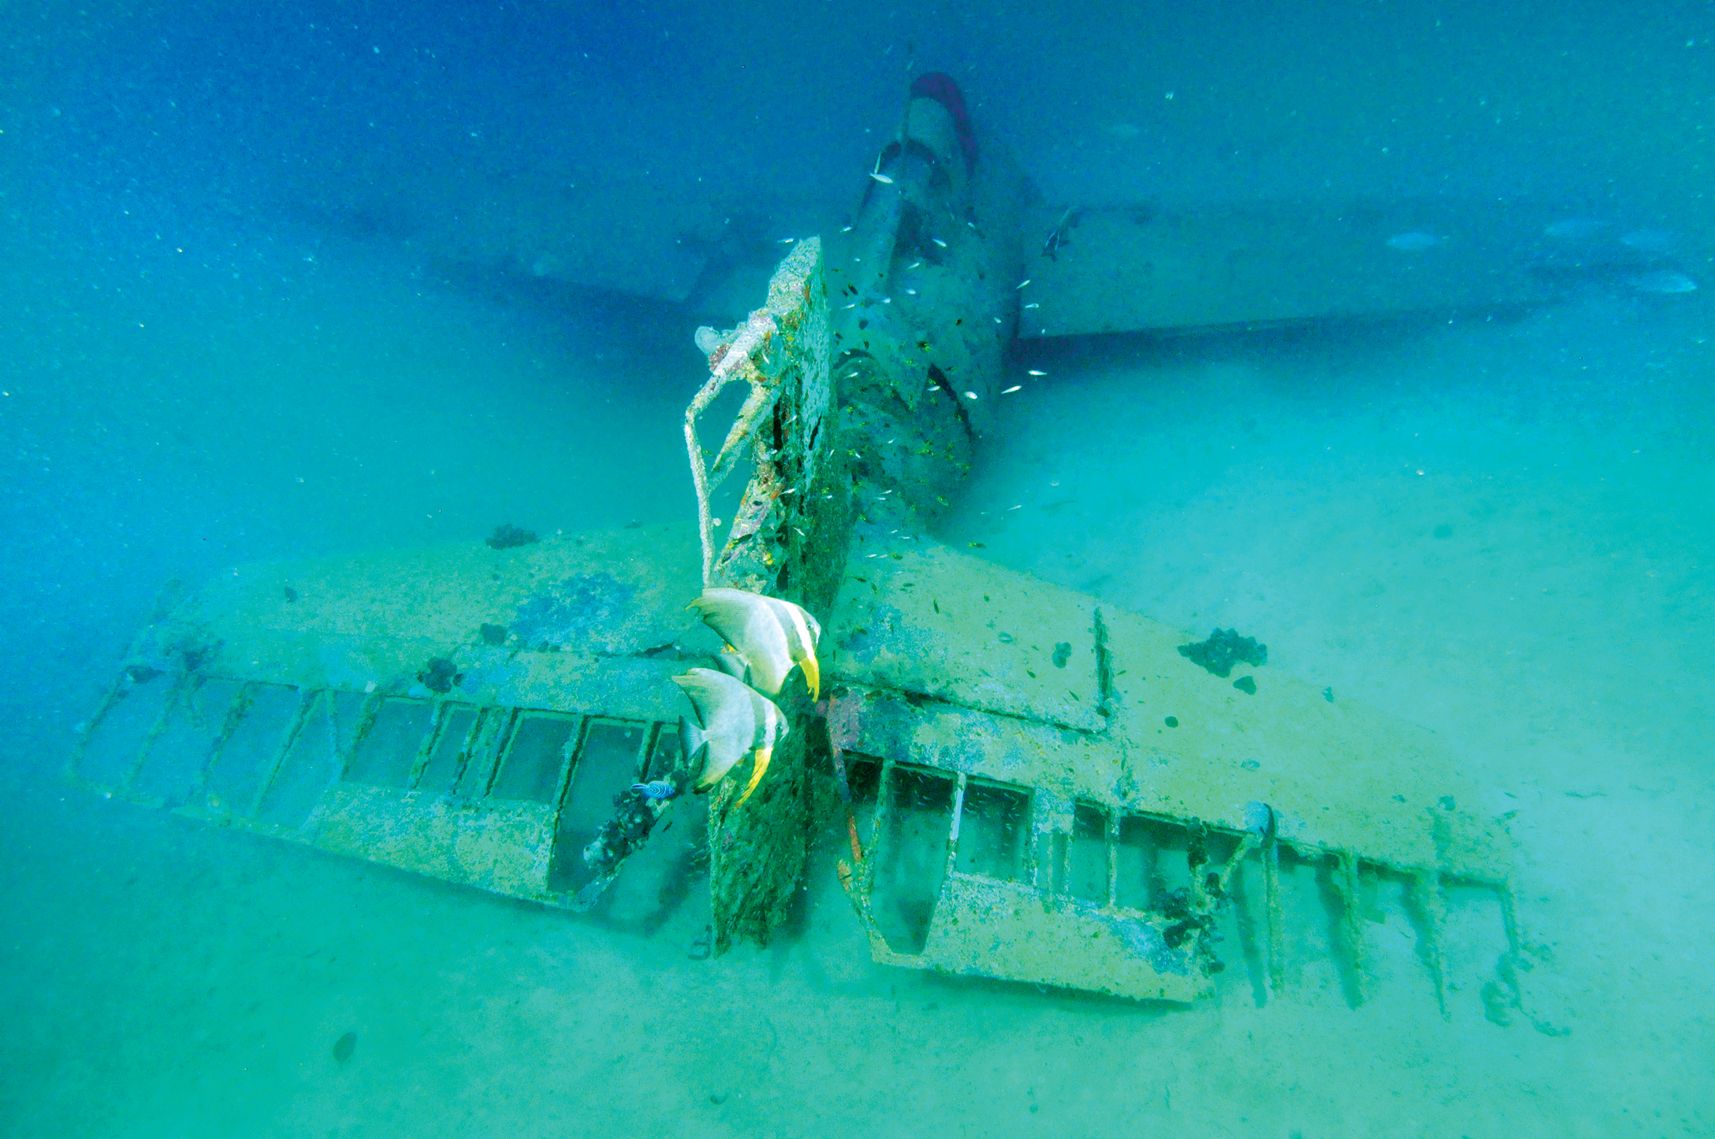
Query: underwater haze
{"type": "Point", "coordinates": [294, 280]}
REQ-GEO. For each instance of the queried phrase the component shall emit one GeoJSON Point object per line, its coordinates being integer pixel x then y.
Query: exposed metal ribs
{"type": "Point", "coordinates": [499, 797]}
{"type": "Point", "coordinates": [963, 873]}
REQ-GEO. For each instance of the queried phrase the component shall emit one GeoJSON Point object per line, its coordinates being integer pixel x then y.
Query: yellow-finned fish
{"type": "Point", "coordinates": [771, 635]}
{"type": "Point", "coordinates": [729, 720]}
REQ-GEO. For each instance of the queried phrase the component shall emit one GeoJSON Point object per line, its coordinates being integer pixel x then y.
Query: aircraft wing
{"type": "Point", "coordinates": [1044, 787]}
{"type": "Point", "coordinates": [1260, 264]}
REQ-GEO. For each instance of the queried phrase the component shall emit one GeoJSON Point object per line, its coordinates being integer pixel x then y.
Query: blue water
{"type": "Point", "coordinates": [1502, 530]}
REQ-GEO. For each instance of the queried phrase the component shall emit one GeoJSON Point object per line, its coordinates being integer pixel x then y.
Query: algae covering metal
{"type": "Point", "coordinates": [464, 712]}
{"type": "Point", "coordinates": [1058, 795]}
{"type": "Point", "coordinates": [787, 539]}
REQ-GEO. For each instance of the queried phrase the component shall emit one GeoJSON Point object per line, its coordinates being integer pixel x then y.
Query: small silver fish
{"type": "Point", "coordinates": [1661, 283]}
{"type": "Point", "coordinates": [1415, 241]}
{"type": "Point", "coordinates": [655, 790]}
{"type": "Point", "coordinates": [1656, 241]}
{"type": "Point", "coordinates": [1574, 228]}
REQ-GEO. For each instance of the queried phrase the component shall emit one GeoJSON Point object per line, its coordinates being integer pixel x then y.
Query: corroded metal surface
{"type": "Point", "coordinates": [1056, 794]}
{"type": "Point", "coordinates": [787, 539]}
{"type": "Point", "coordinates": [873, 417]}
{"type": "Point", "coordinates": [463, 712]}
{"type": "Point", "coordinates": [1072, 780]}
{"type": "Point", "coordinates": [1045, 788]}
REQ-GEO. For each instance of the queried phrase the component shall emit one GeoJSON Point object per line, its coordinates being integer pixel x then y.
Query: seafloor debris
{"type": "Point", "coordinates": [344, 1047]}
{"type": "Point", "coordinates": [439, 675]}
{"type": "Point", "coordinates": [1223, 649]}
{"type": "Point", "coordinates": [506, 536]}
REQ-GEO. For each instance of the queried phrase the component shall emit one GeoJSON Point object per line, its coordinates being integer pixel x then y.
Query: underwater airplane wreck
{"type": "Point", "coordinates": [1027, 782]}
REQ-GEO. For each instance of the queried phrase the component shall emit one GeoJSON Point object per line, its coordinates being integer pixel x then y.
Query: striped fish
{"type": "Point", "coordinates": [655, 789]}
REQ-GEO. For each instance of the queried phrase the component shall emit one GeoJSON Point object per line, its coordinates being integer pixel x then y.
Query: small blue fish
{"type": "Point", "coordinates": [655, 789]}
